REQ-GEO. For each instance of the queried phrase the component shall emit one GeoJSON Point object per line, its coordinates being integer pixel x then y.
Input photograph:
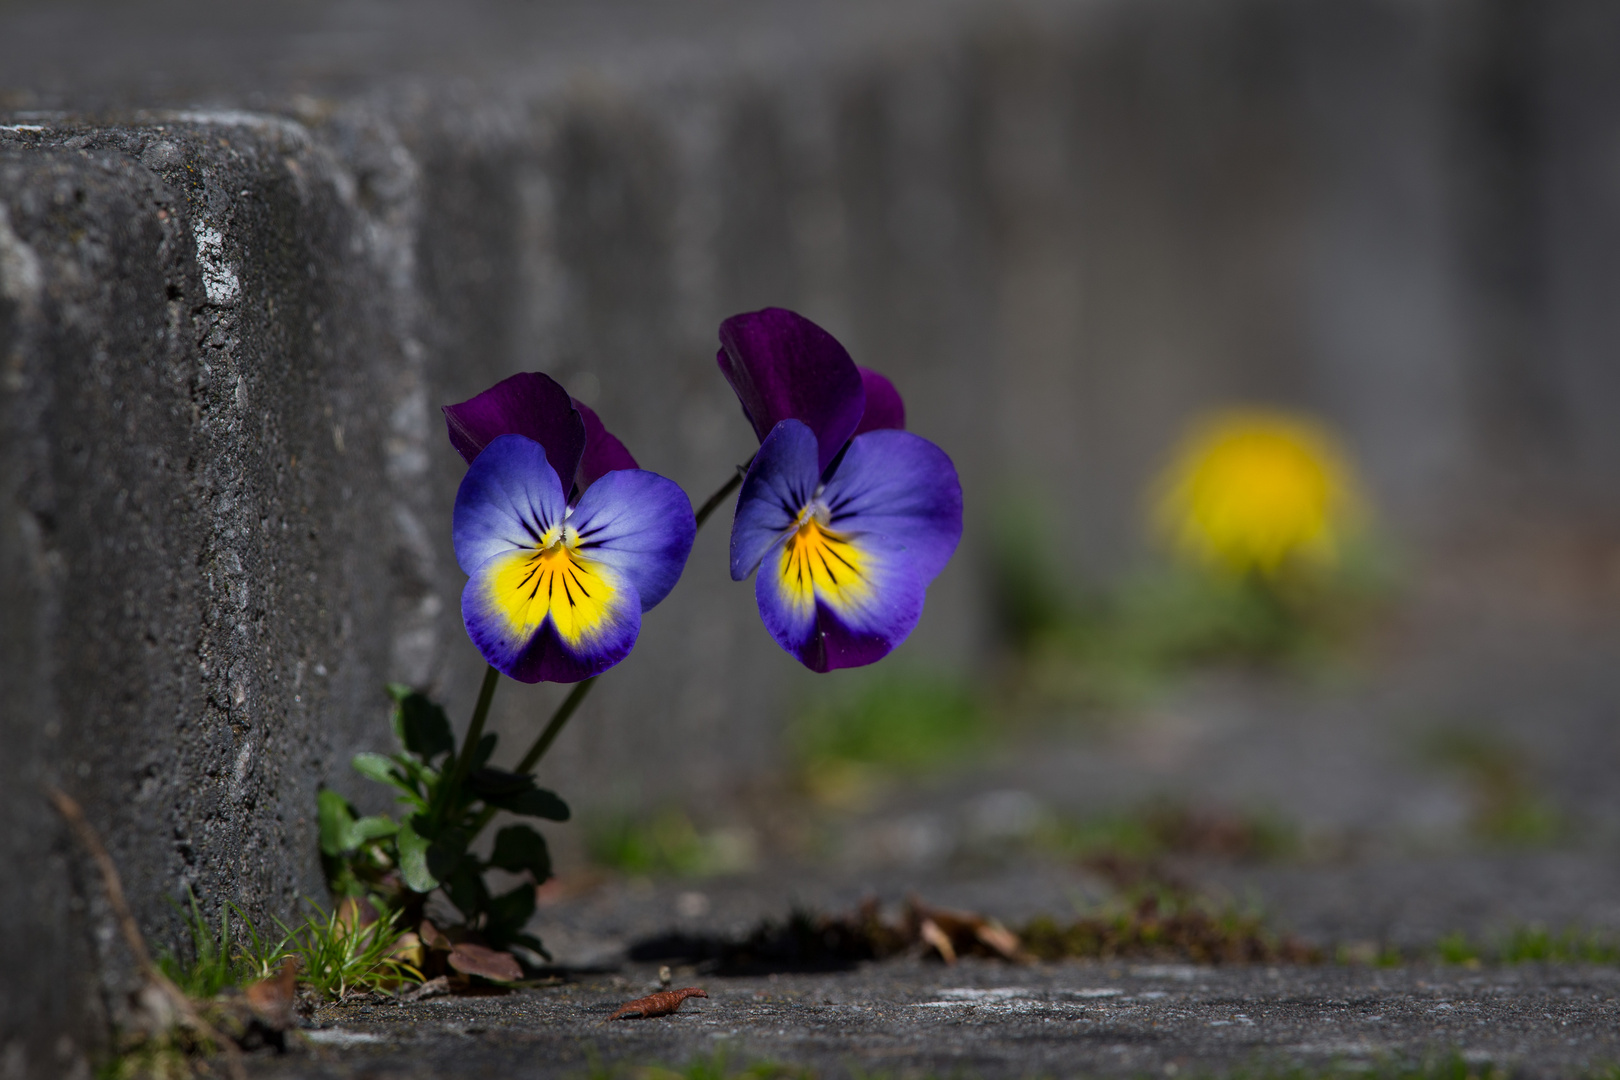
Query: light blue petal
{"type": "Point", "coordinates": [508, 499]}
{"type": "Point", "coordinates": [641, 525]}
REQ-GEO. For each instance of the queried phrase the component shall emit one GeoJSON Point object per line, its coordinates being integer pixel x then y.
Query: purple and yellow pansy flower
{"type": "Point", "coordinates": [564, 540]}
{"type": "Point", "coordinates": [846, 516]}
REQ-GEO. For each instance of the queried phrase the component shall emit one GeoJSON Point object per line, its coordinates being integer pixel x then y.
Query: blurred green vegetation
{"type": "Point", "coordinates": [1509, 809]}
{"type": "Point", "coordinates": [894, 718]}
{"type": "Point", "coordinates": [665, 843]}
{"type": "Point", "coordinates": [1162, 827]}
{"type": "Point", "coordinates": [1531, 944]}
{"type": "Point", "coordinates": [1168, 923]}
{"type": "Point", "coordinates": [881, 723]}
{"type": "Point", "coordinates": [1117, 646]}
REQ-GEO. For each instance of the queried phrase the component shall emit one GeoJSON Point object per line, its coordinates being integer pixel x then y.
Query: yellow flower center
{"type": "Point", "coordinates": [817, 561]}
{"type": "Point", "coordinates": [554, 579]}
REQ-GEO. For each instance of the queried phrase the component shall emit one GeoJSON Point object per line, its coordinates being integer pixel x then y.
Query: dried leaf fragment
{"type": "Point", "coordinates": [433, 937]}
{"type": "Point", "coordinates": [486, 963]}
{"type": "Point", "coordinates": [272, 999]}
{"type": "Point", "coordinates": [438, 987]}
{"type": "Point", "coordinates": [659, 1004]}
{"type": "Point", "coordinates": [953, 933]}
{"type": "Point", "coordinates": [932, 935]}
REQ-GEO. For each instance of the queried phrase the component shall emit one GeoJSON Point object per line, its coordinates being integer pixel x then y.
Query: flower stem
{"type": "Point", "coordinates": [543, 743]}
{"type": "Point", "coordinates": [720, 496]}
{"type": "Point", "coordinates": [558, 719]}
{"type": "Point", "coordinates": [572, 701]}
{"type": "Point", "coordinates": [475, 732]}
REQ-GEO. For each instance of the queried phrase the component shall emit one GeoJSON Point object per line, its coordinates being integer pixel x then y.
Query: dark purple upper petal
{"type": "Point", "coordinates": [884, 409]}
{"type": "Point", "coordinates": [603, 453]}
{"type": "Point", "coordinates": [783, 366]}
{"type": "Point", "coordinates": [529, 404]}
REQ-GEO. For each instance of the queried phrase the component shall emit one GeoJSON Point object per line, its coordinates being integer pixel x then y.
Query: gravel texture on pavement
{"type": "Point", "coordinates": [982, 1019]}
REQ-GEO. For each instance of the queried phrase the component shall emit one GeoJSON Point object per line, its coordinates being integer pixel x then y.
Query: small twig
{"type": "Point", "coordinates": [114, 887]}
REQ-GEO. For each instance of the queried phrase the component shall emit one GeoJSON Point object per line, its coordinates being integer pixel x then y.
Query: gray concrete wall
{"type": "Point", "coordinates": [227, 323]}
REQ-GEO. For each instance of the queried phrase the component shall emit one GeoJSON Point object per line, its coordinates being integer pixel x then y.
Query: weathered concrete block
{"type": "Point", "coordinates": [202, 365]}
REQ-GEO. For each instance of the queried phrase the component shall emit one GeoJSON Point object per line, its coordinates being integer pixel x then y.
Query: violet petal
{"type": "Point", "coordinates": [838, 601]}
{"type": "Point", "coordinates": [884, 408]}
{"type": "Point", "coordinates": [783, 366]}
{"type": "Point", "coordinates": [529, 403]}
{"type": "Point", "coordinates": [603, 452]}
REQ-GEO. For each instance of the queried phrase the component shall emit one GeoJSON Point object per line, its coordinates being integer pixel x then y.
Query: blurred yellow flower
{"type": "Point", "coordinates": [1254, 490]}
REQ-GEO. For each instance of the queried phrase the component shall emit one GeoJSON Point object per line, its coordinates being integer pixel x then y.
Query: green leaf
{"type": "Point", "coordinates": [529, 941]}
{"type": "Point", "coordinates": [481, 752]}
{"type": "Point", "coordinates": [340, 832]}
{"type": "Point", "coordinates": [445, 852]}
{"type": "Point", "coordinates": [519, 848]}
{"type": "Point", "coordinates": [371, 828]}
{"type": "Point", "coordinates": [467, 891]}
{"type": "Point", "coordinates": [399, 692]}
{"type": "Point", "coordinates": [422, 727]}
{"type": "Point", "coordinates": [536, 802]}
{"type": "Point", "coordinates": [509, 912]}
{"type": "Point", "coordinates": [486, 782]}
{"type": "Point", "coordinates": [413, 859]}
{"type": "Point", "coordinates": [376, 767]}
{"type": "Point", "coordinates": [336, 819]}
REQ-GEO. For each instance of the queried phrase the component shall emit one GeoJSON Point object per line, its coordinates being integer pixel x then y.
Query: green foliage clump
{"type": "Point", "coordinates": [220, 959]}
{"type": "Point", "coordinates": [449, 798]}
{"type": "Point", "coordinates": [720, 1065]}
{"type": "Point", "coordinates": [1444, 1066]}
{"type": "Point", "coordinates": [337, 955]}
{"type": "Point", "coordinates": [1156, 922]}
{"type": "Point", "coordinates": [1119, 645]}
{"type": "Point", "coordinates": [1531, 944]}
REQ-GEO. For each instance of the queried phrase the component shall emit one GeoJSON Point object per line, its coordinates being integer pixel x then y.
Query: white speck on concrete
{"type": "Point", "coordinates": [20, 277]}
{"type": "Point", "coordinates": [219, 276]}
{"type": "Point", "coordinates": [339, 1037]}
{"type": "Point", "coordinates": [971, 993]}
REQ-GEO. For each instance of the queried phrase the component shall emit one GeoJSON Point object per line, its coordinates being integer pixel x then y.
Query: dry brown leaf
{"type": "Point", "coordinates": [660, 1004]}
{"type": "Point", "coordinates": [272, 999]}
{"type": "Point", "coordinates": [1002, 941]}
{"type": "Point", "coordinates": [932, 934]}
{"type": "Point", "coordinates": [409, 949]}
{"type": "Point", "coordinates": [486, 963]}
{"type": "Point", "coordinates": [433, 937]}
